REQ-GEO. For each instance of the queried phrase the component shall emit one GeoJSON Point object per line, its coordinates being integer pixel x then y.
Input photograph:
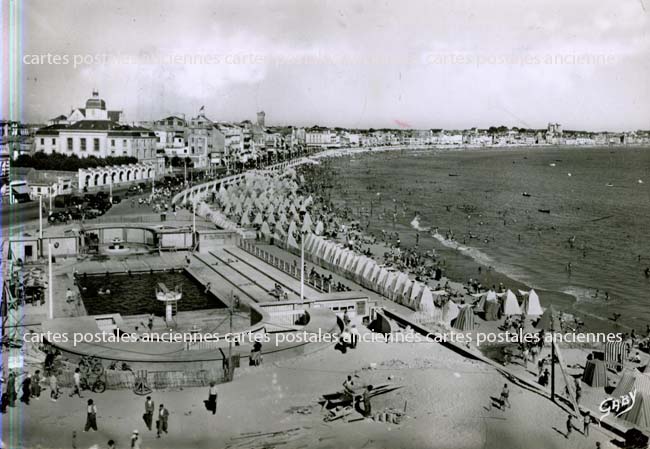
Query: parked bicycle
{"type": "Point", "coordinates": [91, 364]}
{"type": "Point", "coordinates": [93, 383]}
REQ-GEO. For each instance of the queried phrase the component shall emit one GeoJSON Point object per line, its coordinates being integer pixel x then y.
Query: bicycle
{"type": "Point", "coordinates": [91, 364]}
{"type": "Point", "coordinates": [97, 386]}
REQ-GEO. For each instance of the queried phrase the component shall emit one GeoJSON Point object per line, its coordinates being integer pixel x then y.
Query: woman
{"type": "Point", "coordinates": [91, 417]}
{"type": "Point", "coordinates": [211, 403]}
{"type": "Point", "coordinates": [27, 389]}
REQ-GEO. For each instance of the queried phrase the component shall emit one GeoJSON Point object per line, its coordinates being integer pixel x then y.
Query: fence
{"type": "Point", "coordinates": [292, 269]}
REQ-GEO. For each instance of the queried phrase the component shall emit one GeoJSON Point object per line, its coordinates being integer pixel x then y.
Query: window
{"type": "Point", "coordinates": [124, 142]}
{"type": "Point", "coordinates": [53, 141]}
{"type": "Point", "coordinates": [96, 144]}
{"type": "Point", "coordinates": [83, 143]}
{"type": "Point", "coordinates": [112, 142]}
{"type": "Point", "coordinates": [42, 141]}
{"type": "Point", "coordinates": [69, 143]}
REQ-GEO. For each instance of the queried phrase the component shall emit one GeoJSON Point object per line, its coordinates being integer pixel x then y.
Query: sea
{"type": "Point", "coordinates": [571, 222]}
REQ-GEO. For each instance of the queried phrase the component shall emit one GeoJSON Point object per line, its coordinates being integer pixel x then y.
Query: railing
{"type": "Point", "coordinates": [292, 269]}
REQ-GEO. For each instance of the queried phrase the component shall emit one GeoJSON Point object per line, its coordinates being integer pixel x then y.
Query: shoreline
{"type": "Point", "coordinates": [564, 300]}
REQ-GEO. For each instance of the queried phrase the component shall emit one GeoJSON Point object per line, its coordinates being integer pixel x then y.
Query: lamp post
{"type": "Point", "coordinates": [50, 283]}
{"type": "Point", "coordinates": [40, 218]}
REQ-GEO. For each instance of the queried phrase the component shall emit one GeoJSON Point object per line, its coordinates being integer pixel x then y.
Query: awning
{"type": "Point", "coordinates": [20, 190]}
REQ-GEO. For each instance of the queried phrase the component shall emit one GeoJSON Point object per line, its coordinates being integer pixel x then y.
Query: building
{"type": "Point", "coordinates": [94, 131]}
{"type": "Point", "coordinates": [171, 133]}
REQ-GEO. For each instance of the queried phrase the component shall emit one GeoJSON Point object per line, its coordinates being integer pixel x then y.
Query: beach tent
{"type": "Point", "coordinates": [616, 353]}
{"type": "Point", "coordinates": [450, 311]}
{"type": "Point", "coordinates": [549, 320]}
{"type": "Point", "coordinates": [510, 305]}
{"type": "Point", "coordinates": [271, 219]}
{"type": "Point", "coordinates": [258, 219]}
{"type": "Point", "coordinates": [632, 380]}
{"type": "Point", "coordinates": [416, 292]}
{"type": "Point", "coordinates": [338, 253]}
{"type": "Point", "coordinates": [374, 276]}
{"type": "Point", "coordinates": [425, 302]}
{"type": "Point", "coordinates": [531, 305]}
{"type": "Point", "coordinates": [381, 280]}
{"type": "Point", "coordinates": [307, 220]}
{"type": "Point", "coordinates": [465, 320]}
{"type": "Point", "coordinates": [291, 242]}
{"type": "Point", "coordinates": [398, 289]}
{"type": "Point", "coordinates": [265, 230]}
{"type": "Point", "coordinates": [292, 227]}
{"type": "Point", "coordinates": [491, 306]}
{"type": "Point", "coordinates": [306, 227]}
{"type": "Point", "coordinates": [406, 292]}
{"type": "Point", "coordinates": [595, 373]}
{"type": "Point", "coordinates": [319, 228]}
{"type": "Point", "coordinates": [244, 220]}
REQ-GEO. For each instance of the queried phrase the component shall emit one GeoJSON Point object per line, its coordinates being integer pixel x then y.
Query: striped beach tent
{"type": "Point", "coordinates": [616, 352]}
{"type": "Point", "coordinates": [595, 373]}
{"type": "Point", "coordinates": [381, 280]}
{"type": "Point", "coordinates": [406, 292]}
{"type": "Point", "coordinates": [465, 319]}
{"type": "Point", "coordinates": [632, 380]}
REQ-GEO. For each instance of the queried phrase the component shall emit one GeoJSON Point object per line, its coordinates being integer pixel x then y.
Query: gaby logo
{"type": "Point", "coordinates": [617, 406]}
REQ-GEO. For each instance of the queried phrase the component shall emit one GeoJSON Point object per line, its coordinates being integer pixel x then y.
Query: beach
{"type": "Point", "coordinates": [477, 194]}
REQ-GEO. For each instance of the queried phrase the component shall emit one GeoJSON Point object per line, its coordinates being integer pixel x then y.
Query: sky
{"type": "Point", "coordinates": [450, 64]}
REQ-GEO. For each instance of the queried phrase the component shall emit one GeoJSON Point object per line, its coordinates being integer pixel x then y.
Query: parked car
{"type": "Point", "coordinates": [57, 217]}
{"type": "Point", "coordinates": [117, 200]}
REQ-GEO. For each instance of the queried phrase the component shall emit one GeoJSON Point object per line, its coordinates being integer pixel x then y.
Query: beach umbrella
{"type": "Point", "coordinates": [510, 305]}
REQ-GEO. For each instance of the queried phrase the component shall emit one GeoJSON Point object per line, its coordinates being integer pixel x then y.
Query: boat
{"type": "Point", "coordinates": [609, 184]}
{"type": "Point", "coordinates": [453, 174]}
{"type": "Point", "coordinates": [526, 194]}
{"type": "Point", "coordinates": [544, 211]}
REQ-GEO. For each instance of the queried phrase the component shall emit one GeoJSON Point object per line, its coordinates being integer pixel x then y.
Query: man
{"type": "Point", "coordinates": [135, 440]}
{"type": "Point", "coordinates": [354, 332]}
{"type": "Point", "coordinates": [77, 383]}
{"type": "Point", "coordinates": [148, 412]}
{"type": "Point", "coordinates": [27, 389]}
{"type": "Point", "coordinates": [36, 384]}
{"type": "Point", "coordinates": [111, 444]}
{"type": "Point", "coordinates": [69, 296]}
{"type": "Point", "coordinates": [150, 325]}
{"type": "Point", "coordinates": [585, 424]}
{"type": "Point", "coordinates": [569, 427]}
{"type": "Point", "coordinates": [505, 396]}
{"type": "Point", "coordinates": [367, 406]}
{"type": "Point", "coordinates": [91, 417]}
{"type": "Point", "coordinates": [163, 418]}
{"type": "Point", "coordinates": [348, 388]}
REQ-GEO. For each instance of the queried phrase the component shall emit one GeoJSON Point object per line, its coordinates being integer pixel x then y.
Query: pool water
{"type": "Point", "coordinates": [136, 294]}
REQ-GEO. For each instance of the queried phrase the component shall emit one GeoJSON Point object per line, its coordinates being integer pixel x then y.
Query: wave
{"type": "Point", "coordinates": [415, 224]}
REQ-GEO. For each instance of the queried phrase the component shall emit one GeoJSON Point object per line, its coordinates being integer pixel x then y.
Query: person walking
{"type": "Point", "coordinates": [585, 424]}
{"type": "Point", "coordinates": [149, 408]}
{"type": "Point", "coordinates": [569, 426]}
{"type": "Point", "coordinates": [27, 389]}
{"type": "Point", "coordinates": [54, 387]}
{"type": "Point", "coordinates": [11, 390]}
{"type": "Point", "coordinates": [135, 440]}
{"type": "Point", "coordinates": [77, 383]}
{"type": "Point", "coordinates": [354, 333]}
{"type": "Point", "coordinates": [163, 419]}
{"type": "Point", "coordinates": [91, 417]}
{"type": "Point", "coordinates": [150, 325]}
{"type": "Point", "coordinates": [111, 444]}
{"type": "Point", "coordinates": [36, 385]}
{"type": "Point", "coordinates": [505, 396]}
{"type": "Point", "coordinates": [212, 398]}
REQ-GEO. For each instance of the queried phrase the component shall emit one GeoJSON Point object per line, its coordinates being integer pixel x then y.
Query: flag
{"type": "Point", "coordinates": [201, 110]}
